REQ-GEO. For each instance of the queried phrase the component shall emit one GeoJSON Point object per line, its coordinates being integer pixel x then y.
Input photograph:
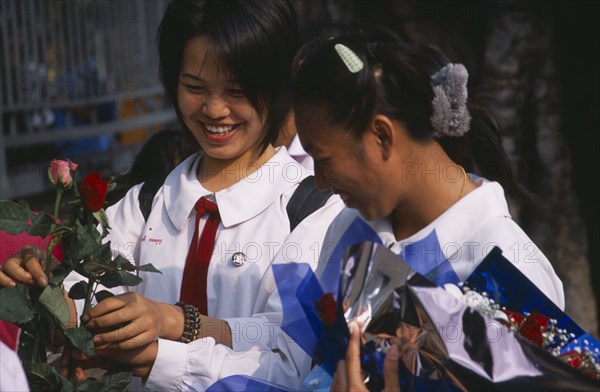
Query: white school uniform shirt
{"type": "Point", "coordinates": [12, 375]}
{"type": "Point", "coordinates": [253, 221]}
{"type": "Point", "coordinates": [467, 232]}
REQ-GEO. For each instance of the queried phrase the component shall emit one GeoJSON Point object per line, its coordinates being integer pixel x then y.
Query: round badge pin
{"type": "Point", "coordinates": [238, 259]}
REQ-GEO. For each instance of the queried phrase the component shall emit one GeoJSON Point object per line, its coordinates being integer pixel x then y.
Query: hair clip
{"type": "Point", "coordinates": [350, 59]}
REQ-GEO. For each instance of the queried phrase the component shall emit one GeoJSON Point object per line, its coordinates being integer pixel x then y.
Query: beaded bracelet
{"type": "Point", "coordinates": [191, 329]}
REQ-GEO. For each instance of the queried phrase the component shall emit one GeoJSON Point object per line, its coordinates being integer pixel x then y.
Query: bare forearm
{"type": "Point", "coordinates": [209, 327]}
{"type": "Point", "coordinates": [217, 329]}
{"type": "Point", "coordinates": [174, 322]}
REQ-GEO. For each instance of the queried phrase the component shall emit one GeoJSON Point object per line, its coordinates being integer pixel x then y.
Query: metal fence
{"type": "Point", "coordinates": [78, 80]}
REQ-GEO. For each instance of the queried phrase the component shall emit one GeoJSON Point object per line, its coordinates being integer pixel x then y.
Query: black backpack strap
{"type": "Point", "coordinates": [306, 200]}
{"type": "Point", "coordinates": [147, 193]}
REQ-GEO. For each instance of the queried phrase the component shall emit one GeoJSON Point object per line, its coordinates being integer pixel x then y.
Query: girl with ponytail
{"type": "Point", "coordinates": [392, 130]}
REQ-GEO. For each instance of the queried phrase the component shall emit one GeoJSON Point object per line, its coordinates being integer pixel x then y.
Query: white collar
{"type": "Point", "coordinates": [240, 202]}
{"type": "Point", "coordinates": [458, 223]}
{"type": "Point", "coordinates": [295, 148]}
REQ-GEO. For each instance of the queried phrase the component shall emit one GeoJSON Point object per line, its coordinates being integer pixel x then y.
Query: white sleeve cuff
{"type": "Point", "coordinates": [169, 366]}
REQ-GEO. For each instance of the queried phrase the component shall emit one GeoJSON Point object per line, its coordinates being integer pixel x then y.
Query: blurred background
{"type": "Point", "coordinates": [79, 81]}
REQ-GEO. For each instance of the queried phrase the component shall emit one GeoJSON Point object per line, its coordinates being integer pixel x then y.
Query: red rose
{"type": "Point", "coordinates": [572, 358]}
{"type": "Point", "coordinates": [93, 191]}
{"type": "Point", "coordinates": [533, 327]}
{"type": "Point", "coordinates": [327, 308]}
{"type": "Point", "coordinates": [514, 318]}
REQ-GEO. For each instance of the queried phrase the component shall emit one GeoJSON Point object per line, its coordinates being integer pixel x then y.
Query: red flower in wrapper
{"type": "Point", "coordinates": [538, 329]}
{"type": "Point", "coordinates": [533, 327]}
{"type": "Point", "coordinates": [93, 192]}
{"type": "Point", "coordinates": [514, 317]}
{"type": "Point", "coordinates": [542, 331]}
{"type": "Point", "coordinates": [327, 308]}
{"type": "Point", "coordinates": [572, 358]}
{"type": "Point", "coordinates": [583, 360]}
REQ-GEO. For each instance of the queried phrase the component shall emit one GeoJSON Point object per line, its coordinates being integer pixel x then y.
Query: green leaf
{"type": "Point", "coordinates": [25, 206]}
{"type": "Point", "coordinates": [84, 244]}
{"type": "Point", "coordinates": [53, 299]}
{"type": "Point", "coordinates": [117, 378]}
{"type": "Point", "coordinates": [119, 278]}
{"type": "Point", "coordinates": [98, 267]}
{"type": "Point", "coordinates": [26, 343]}
{"type": "Point", "coordinates": [148, 268]}
{"type": "Point", "coordinates": [47, 326]}
{"type": "Point", "coordinates": [14, 217]}
{"type": "Point", "coordinates": [101, 261]}
{"type": "Point", "coordinates": [59, 274]}
{"type": "Point", "coordinates": [105, 253]}
{"type": "Point", "coordinates": [129, 279]}
{"type": "Point", "coordinates": [101, 217]}
{"type": "Point", "coordinates": [40, 225]}
{"type": "Point", "coordinates": [14, 306]}
{"type": "Point", "coordinates": [79, 290]}
{"type": "Point", "coordinates": [43, 377]}
{"type": "Point", "coordinates": [81, 338]}
{"type": "Point", "coordinates": [102, 295]}
{"type": "Point", "coordinates": [67, 386]}
{"type": "Point", "coordinates": [91, 385]}
{"type": "Point", "coordinates": [24, 289]}
{"type": "Point", "coordinates": [110, 279]}
{"type": "Point", "coordinates": [122, 263]}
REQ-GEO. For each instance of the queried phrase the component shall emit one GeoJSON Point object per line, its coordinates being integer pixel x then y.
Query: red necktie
{"type": "Point", "coordinates": [193, 285]}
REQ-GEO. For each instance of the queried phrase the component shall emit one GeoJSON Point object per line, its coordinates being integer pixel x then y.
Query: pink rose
{"type": "Point", "coordinates": [59, 173]}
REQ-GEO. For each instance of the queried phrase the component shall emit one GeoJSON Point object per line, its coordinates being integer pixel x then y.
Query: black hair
{"type": "Point", "coordinates": [162, 153]}
{"type": "Point", "coordinates": [159, 155]}
{"type": "Point", "coordinates": [256, 39]}
{"type": "Point", "coordinates": [395, 81]}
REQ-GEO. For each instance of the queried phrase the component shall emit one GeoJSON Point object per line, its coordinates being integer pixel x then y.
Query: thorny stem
{"type": "Point", "coordinates": [36, 343]}
{"type": "Point", "coordinates": [53, 239]}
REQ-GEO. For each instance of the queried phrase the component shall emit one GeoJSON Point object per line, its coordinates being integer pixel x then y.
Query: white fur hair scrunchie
{"type": "Point", "coordinates": [450, 116]}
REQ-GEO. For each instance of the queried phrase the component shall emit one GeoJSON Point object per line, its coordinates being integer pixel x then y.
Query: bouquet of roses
{"type": "Point", "coordinates": [452, 340]}
{"type": "Point", "coordinates": [459, 338]}
{"type": "Point", "coordinates": [40, 313]}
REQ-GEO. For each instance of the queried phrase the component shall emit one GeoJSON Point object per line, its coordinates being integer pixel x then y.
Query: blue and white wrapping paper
{"type": "Point", "coordinates": [483, 353]}
{"type": "Point", "coordinates": [245, 383]}
{"type": "Point", "coordinates": [461, 348]}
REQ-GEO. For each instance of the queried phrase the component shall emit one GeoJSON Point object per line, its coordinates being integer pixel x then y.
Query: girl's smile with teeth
{"type": "Point", "coordinates": [220, 129]}
{"type": "Point", "coordinates": [214, 107]}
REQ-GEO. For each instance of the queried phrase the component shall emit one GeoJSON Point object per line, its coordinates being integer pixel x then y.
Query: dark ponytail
{"type": "Point", "coordinates": [481, 151]}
